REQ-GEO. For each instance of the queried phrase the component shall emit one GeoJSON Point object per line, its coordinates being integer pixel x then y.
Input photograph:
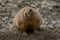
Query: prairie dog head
{"type": "Point", "coordinates": [28, 12]}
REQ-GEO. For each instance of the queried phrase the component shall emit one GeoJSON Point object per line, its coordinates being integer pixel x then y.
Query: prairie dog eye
{"type": "Point", "coordinates": [30, 10]}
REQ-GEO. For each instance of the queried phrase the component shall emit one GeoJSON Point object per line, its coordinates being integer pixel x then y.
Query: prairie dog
{"type": "Point", "coordinates": [28, 20]}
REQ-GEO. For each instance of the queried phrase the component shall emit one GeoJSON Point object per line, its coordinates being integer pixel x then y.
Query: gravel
{"type": "Point", "coordinates": [49, 9]}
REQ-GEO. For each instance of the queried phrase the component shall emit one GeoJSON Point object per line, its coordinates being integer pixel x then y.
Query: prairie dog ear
{"type": "Point", "coordinates": [37, 9]}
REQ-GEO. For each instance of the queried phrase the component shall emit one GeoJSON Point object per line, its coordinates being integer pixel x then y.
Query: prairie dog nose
{"type": "Point", "coordinates": [28, 14]}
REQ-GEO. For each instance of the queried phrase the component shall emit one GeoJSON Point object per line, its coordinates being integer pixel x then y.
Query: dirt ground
{"type": "Point", "coordinates": [49, 9]}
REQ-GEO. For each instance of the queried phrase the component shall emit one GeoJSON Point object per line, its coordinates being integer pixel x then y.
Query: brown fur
{"type": "Point", "coordinates": [23, 23]}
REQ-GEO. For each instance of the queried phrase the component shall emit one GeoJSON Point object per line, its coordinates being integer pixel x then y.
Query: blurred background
{"type": "Point", "coordinates": [49, 9]}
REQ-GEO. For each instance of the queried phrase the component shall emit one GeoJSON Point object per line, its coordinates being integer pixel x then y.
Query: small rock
{"type": "Point", "coordinates": [57, 25]}
{"type": "Point", "coordinates": [53, 22]}
{"type": "Point", "coordinates": [54, 13]}
{"type": "Point", "coordinates": [50, 8]}
{"type": "Point", "coordinates": [43, 26]}
{"type": "Point", "coordinates": [58, 21]}
{"type": "Point", "coordinates": [51, 26]}
{"type": "Point", "coordinates": [5, 18]}
{"type": "Point", "coordinates": [33, 5]}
